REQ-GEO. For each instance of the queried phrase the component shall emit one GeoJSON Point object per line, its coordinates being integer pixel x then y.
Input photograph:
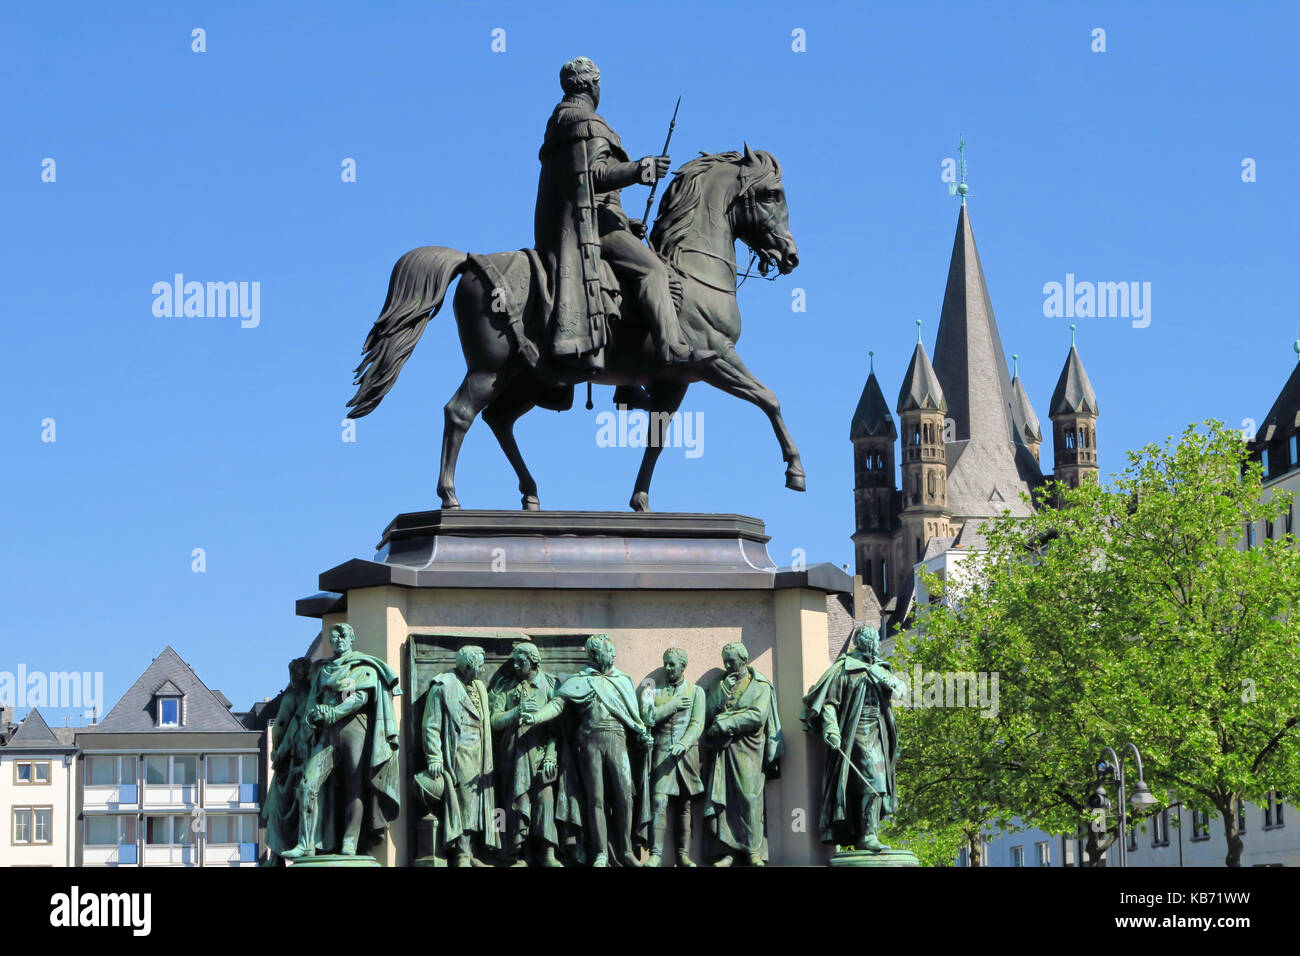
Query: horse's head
{"type": "Point", "coordinates": [745, 190]}
{"type": "Point", "coordinates": [758, 214]}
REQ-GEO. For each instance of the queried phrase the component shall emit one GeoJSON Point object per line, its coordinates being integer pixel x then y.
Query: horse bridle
{"type": "Point", "coordinates": [749, 207]}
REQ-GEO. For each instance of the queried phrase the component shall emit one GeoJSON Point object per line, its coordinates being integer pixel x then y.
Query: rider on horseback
{"type": "Point", "coordinates": [579, 221]}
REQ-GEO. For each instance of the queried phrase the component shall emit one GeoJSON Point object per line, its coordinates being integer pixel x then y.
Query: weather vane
{"type": "Point", "coordinates": [960, 188]}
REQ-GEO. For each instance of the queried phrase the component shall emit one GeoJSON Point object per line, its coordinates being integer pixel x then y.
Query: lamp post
{"type": "Point", "coordinates": [1140, 799]}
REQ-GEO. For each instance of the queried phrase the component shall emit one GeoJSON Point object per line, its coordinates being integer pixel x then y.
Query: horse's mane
{"type": "Point", "coordinates": [682, 198]}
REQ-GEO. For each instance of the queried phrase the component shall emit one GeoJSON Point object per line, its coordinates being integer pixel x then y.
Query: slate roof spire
{"type": "Point", "coordinates": [988, 462]}
{"type": "Point", "coordinates": [872, 418]}
{"type": "Point", "coordinates": [1022, 411]}
{"type": "Point", "coordinates": [921, 387]}
{"type": "Point", "coordinates": [1073, 394]}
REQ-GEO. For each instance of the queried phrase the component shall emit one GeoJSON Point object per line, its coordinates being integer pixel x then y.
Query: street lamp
{"type": "Point", "coordinates": [1141, 799]}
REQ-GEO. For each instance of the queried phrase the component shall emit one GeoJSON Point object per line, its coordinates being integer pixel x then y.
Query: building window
{"type": "Point", "coordinates": [169, 711]}
{"type": "Point", "coordinates": [1250, 534]}
{"type": "Point", "coordinates": [1263, 458]}
{"type": "Point", "coordinates": [232, 769]}
{"type": "Point", "coordinates": [168, 831]}
{"type": "Point", "coordinates": [1241, 816]}
{"type": "Point", "coordinates": [1273, 811]}
{"type": "Point", "coordinates": [1132, 837]}
{"type": "Point", "coordinates": [230, 829]}
{"type": "Point", "coordinates": [1268, 529]}
{"type": "Point", "coordinates": [31, 772]}
{"type": "Point", "coordinates": [102, 771]}
{"type": "Point", "coordinates": [1044, 852]}
{"type": "Point", "coordinates": [1160, 829]}
{"type": "Point", "coordinates": [32, 826]}
{"type": "Point", "coordinates": [1295, 459]}
{"type": "Point", "coordinates": [1200, 825]}
{"type": "Point", "coordinates": [1069, 852]}
{"type": "Point", "coordinates": [161, 770]}
{"type": "Point", "coordinates": [884, 577]}
{"type": "Point", "coordinates": [1017, 856]}
{"type": "Point", "coordinates": [1290, 510]}
{"type": "Point", "coordinates": [110, 830]}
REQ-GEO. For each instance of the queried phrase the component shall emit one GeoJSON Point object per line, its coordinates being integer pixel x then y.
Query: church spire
{"type": "Point", "coordinates": [989, 464]}
{"type": "Point", "coordinates": [872, 419]}
{"type": "Point", "coordinates": [1022, 412]}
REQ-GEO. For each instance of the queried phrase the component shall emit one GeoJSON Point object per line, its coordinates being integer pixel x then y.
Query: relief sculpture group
{"type": "Point", "coordinates": [532, 768]}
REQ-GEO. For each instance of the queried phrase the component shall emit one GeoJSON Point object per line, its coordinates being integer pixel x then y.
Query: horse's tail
{"type": "Point", "coordinates": [415, 293]}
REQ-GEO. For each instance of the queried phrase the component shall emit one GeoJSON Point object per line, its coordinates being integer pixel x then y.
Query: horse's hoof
{"type": "Point", "coordinates": [450, 503]}
{"type": "Point", "coordinates": [531, 503]}
{"type": "Point", "coordinates": [640, 501]}
{"type": "Point", "coordinates": [794, 479]}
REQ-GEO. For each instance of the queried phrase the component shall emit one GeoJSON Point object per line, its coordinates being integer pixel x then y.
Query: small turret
{"type": "Point", "coordinates": [1074, 412]}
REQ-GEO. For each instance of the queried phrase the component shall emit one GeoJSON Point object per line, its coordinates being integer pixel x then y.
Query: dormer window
{"type": "Point", "coordinates": [168, 705]}
{"type": "Point", "coordinates": [169, 711]}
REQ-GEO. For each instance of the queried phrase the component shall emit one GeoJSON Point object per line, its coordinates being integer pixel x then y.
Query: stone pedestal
{"type": "Point", "coordinates": [868, 858]}
{"type": "Point", "coordinates": [334, 859]}
{"type": "Point", "coordinates": [441, 579]}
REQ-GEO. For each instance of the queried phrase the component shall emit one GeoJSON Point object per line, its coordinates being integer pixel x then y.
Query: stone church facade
{"type": "Point", "coordinates": [970, 441]}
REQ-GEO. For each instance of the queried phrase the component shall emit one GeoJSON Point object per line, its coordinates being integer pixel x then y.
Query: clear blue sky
{"type": "Point", "coordinates": [175, 433]}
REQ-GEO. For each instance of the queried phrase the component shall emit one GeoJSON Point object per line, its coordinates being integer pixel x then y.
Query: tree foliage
{"type": "Point", "coordinates": [1113, 614]}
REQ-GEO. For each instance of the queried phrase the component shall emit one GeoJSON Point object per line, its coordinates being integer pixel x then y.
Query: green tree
{"type": "Point", "coordinates": [1130, 612]}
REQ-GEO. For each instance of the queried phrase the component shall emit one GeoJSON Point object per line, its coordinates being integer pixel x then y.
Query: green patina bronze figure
{"type": "Point", "coordinates": [607, 714]}
{"type": "Point", "coordinates": [290, 748]}
{"type": "Point", "coordinates": [457, 744]}
{"type": "Point", "coordinates": [849, 708]}
{"type": "Point", "coordinates": [528, 759]}
{"type": "Point", "coordinates": [349, 789]}
{"type": "Point", "coordinates": [675, 714]}
{"type": "Point", "coordinates": [744, 747]}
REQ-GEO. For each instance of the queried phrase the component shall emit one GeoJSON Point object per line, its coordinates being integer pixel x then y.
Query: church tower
{"type": "Point", "coordinates": [874, 496]}
{"type": "Point", "coordinates": [1074, 415]}
{"type": "Point", "coordinates": [990, 462]}
{"type": "Point", "coordinates": [922, 409]}
{"type": "Point", "coordinates": [1022, 413]}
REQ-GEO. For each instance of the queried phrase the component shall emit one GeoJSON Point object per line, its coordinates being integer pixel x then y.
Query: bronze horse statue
{"type": "Point", "coordinates": [712, 201]}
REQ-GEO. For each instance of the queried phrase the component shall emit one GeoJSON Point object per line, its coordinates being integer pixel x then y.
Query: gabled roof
{"type": "Point", "coordinates": [33, 733]}
{"type": "Point", "coordinates": [1073, 394]}
{"type": "Point", "coordinates": [988, 462]}
{"type": "Point", "coordinates": [871, 419]}
{"type": "Point", "coordinates": [204, 711]}
{"type": "Point", "coordinates": [167, 689]}
{"type": "Point", "coordinates": [921, 388]}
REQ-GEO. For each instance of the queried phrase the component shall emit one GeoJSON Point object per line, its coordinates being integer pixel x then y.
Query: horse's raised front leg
{"type": "Point", "coordinates": [730, 374]}
{"type": "Point", "coordinates": [665, 399]}
{"type": "Point", "coordinates": [501, 416]}
{"type": "Point", "coordinates": [476, 392]}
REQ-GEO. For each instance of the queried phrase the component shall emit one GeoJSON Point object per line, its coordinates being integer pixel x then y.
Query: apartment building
{"type": "Point", "coordinates": [170, 777]}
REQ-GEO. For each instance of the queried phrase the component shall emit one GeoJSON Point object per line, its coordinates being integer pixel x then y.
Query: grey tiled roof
{"type": "Point", "coordinates": [202, 710]}
{"type": "Point", "coordinates": [1285, 413]}
{"type": "Point", "coordinates": [871, 419]}
{"type": "Point", "coordinates": [1022, 413]}
{"type": "Point", "coordinates": [1073, 392]}
{"type": "Point", "coordinates": [988, 463]}
{"type": "Point", "coordinates": [921, 387]}
{"type": "Point", "coordinates": [33, 732]}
